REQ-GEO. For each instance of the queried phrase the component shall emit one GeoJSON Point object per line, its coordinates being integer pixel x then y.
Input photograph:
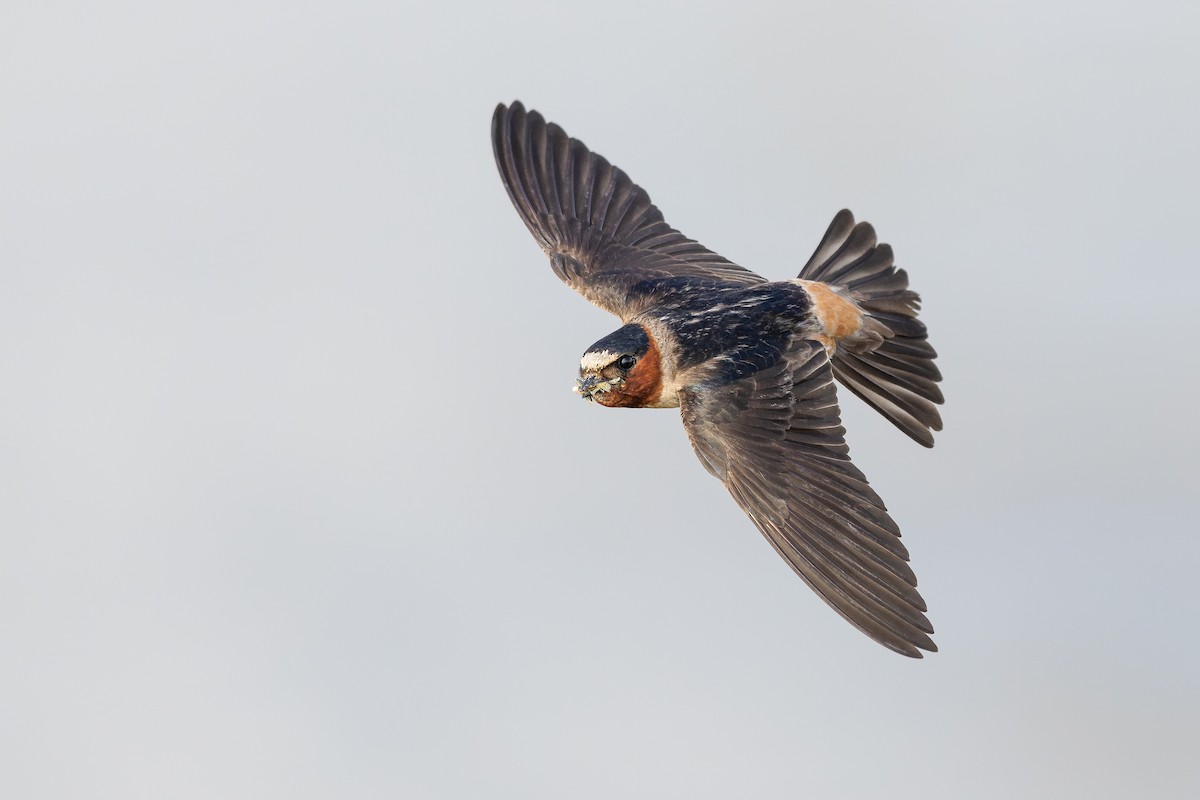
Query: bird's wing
{"type": "Point", "coordinates": [775, 438]}
{"type": "Point", "coordinates": [600, 230]}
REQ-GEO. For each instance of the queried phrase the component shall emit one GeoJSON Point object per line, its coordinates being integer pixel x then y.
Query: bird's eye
{"type": "Point", "coordinates": [626, 362]}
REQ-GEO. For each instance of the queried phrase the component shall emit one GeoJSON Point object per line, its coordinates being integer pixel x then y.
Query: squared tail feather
{"type": "Point", "coordinates": [890, 366]}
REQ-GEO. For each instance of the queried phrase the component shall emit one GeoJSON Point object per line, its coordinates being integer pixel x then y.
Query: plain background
{"type": "Point", "coordinates": [296, 500]}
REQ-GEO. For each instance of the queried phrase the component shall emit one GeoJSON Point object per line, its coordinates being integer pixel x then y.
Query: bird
{"type": "Point", "coordinates": [750, 363]}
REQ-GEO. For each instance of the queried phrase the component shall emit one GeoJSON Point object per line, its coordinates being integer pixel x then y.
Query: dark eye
{"type": "Point", "coordinates": [626, 362]}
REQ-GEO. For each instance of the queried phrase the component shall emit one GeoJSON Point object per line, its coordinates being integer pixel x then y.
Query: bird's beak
{"type": "Point", "coordinates": [590, 386]}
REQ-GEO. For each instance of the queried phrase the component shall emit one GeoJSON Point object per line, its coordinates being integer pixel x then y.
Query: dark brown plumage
{"type": "Point", "coordinates": [750, 363]}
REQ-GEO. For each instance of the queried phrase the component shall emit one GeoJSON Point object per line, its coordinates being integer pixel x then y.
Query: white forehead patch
{"type": "Point", "coordinates": [596, 360]}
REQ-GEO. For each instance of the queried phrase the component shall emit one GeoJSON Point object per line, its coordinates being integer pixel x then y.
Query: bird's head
{"type": "Point", "coordinates": [622, 370]}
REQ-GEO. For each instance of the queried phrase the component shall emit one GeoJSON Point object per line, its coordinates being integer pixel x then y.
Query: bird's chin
{"type": "Point", "coordinates": [596, 389]}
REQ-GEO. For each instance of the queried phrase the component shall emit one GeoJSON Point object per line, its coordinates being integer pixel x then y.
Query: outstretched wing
{"type": "Point", "coordinates": [600, 230]}
{"type": "Point", "coordinates": [775, 438]}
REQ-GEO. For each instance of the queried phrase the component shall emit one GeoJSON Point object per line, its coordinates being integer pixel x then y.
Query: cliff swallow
{"type": "Point", "coordinates": [749, 362]}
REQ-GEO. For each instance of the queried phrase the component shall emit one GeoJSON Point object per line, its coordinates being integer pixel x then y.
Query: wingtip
{"type": "Point", "coordinates": [504, 112]}
{"type": "Point", "coordinates": [498, 121]}
{"type": "Point", "coordinates": [914, 649]}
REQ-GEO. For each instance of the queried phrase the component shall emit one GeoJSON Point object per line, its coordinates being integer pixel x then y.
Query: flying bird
{"type": "Point", "coordinates": [749, 362]}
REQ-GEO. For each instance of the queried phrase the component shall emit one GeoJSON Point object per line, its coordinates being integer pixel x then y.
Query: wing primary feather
{"type": "Point", "coordinates": [533, 145]}
{"type": "Point", "coordinates": [565, 164]}
{"type": "Point", "coordinates": [580, 206]}
{"type": "Point", "coordinates": [547, 172]}
{"type": "Point", "coordinates": [776, 440]}
{"type": "Point", "coordinates": [502, 133]}
{"type": "Point", "coordinates": [867, 617]}
{"type": "Point", "coordinates": [872, 587]}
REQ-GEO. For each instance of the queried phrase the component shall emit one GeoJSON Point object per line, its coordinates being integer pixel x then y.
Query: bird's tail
{"type": "Point", "coordinates": [888, 362]}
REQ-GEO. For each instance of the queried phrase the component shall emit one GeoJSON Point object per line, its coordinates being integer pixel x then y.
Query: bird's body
{"type": "Point", "coordinates": [749, 362]}
{"type": "Point", "coordinates": [694, 321]}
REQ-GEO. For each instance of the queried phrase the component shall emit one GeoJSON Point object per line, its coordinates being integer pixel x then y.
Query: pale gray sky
{"type": "Point", "coordinates": [297, 501]}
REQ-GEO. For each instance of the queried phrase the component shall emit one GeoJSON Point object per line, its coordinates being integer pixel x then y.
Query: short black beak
{"type": "Point", "coordinates": [585, 386]}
